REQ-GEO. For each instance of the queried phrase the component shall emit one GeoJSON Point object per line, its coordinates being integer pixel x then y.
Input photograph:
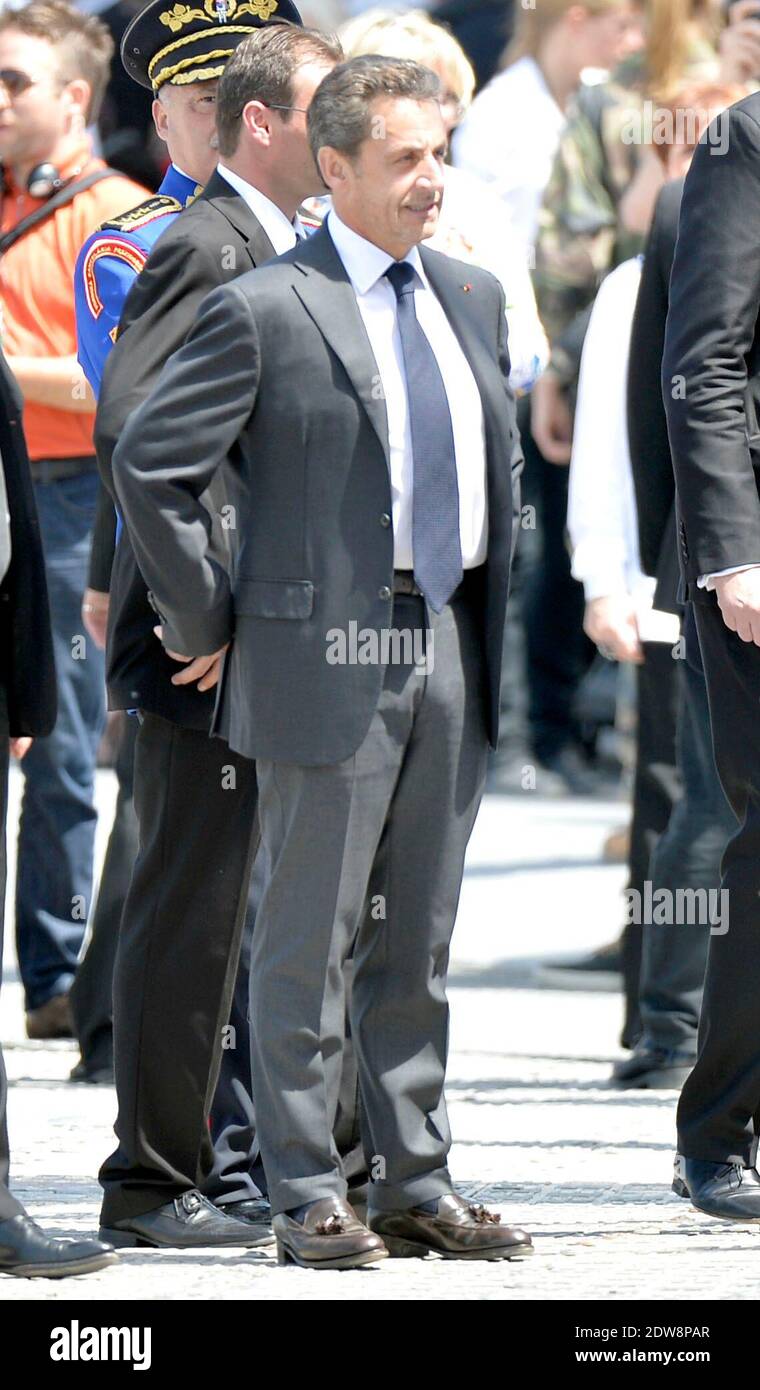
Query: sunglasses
{"type": "Point", "coordinates": [15, 82]}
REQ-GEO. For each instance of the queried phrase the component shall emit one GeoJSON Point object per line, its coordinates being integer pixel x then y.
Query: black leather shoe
{"type": "Point", "coordinates": [255, 1210]}
{"type": "Point", "coordinates": [84, 1073]}
{"type": "Point", "coordinates": [29, 1252]}
{"type": "Point", "coordinates": [653, 1069]}
{"type": "Point", "coordinates": [187, 1223]}
{"type": "Point", "coordinates": [327, 1236]}
{"type": "Point", "coordinates": [457, 1230]}
{"type": "Point", "coordinates": [724, 1190]}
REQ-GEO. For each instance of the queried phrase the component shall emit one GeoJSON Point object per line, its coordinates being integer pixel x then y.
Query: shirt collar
{"type": "Point", "coordinates": [277, 226]}
{"type": "Point", "coordinates": [177, 184]}
{"type": "Point", "coordinates": [364, 262]}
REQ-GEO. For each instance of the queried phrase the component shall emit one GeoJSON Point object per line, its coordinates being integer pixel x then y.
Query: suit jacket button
{"type": "Point", "coordinates": [384, 592]}
{"type": "Point", "coordinates": [385, 519]}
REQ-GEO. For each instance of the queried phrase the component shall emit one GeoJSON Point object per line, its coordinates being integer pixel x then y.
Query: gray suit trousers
{"type": "Point", "coordinates": [369, 853]}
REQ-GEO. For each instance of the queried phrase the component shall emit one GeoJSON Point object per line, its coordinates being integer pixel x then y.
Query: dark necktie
{"type": "Point", "coordinates": [435, 498]}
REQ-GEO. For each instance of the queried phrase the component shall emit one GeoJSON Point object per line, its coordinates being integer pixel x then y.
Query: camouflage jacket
{"type": "Point", "coordinates": [579, 237]}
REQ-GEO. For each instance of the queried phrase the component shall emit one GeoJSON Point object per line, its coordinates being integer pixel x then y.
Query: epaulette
{"type": "Point", "coordinates": [158, 206]}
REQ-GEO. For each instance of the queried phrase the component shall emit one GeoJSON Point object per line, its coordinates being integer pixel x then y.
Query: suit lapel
{"type": "Point", "coordinates": [328, 297]}
{"type": "Point", "coordinates": [448, 281]}
{"type": "Point", "coordinates": [223, 197]}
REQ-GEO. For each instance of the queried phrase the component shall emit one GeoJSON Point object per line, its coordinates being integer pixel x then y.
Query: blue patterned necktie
{"type": "Point", "coordinates": [435, 495]}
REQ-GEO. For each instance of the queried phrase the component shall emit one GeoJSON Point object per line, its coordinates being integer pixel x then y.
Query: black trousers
{"type": "Point", "coordinates": [687, 855]}
{"type": "Point", "coordinates": [719, 1111]}
{"type": "Point", "coordinates": [8, 1205]}
{"type": "Point", "coordinates": [177, 960]}
{"type": "Point", "coordinates": [91, 995]}
{"type": "Point", "coordinates": [656, 789]}
{"type": "Point", "coordinates": [558, 652]}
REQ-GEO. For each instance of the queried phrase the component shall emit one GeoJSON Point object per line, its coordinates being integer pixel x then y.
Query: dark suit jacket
{"type": "Point", "coordinates": [214, 240]}
{"type": "Point", "coordinates": [651, 463]}
{"type": "Point", "coordinates": [711, 364]}
{"type": "Point", "coordinates": [27, 668]}
{"type": "Point", "coordinates": [278, 374]}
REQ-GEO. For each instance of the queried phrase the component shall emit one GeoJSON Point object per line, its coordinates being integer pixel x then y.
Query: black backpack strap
{"type": "Point", "coordinates": [59, 200]}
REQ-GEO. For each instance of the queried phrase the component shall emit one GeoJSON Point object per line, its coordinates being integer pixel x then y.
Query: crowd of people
{"type": "Point", "coordinates": [331, 320]}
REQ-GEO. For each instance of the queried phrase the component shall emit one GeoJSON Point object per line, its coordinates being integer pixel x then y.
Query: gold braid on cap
{"type": "Point", "coordinates": [215, 13]}
{"type": "Point", "coordinates": [194, 75]}
{"type": "Point", "coordinates": [166, 73]}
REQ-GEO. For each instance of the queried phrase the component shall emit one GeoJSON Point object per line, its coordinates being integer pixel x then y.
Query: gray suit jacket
{"type": "Point", "coordinates": [278, 375]}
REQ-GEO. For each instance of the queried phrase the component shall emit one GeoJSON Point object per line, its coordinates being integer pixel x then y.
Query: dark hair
{"type": "Point", "coordinates": [84, 45]}
{"type": "Point", "coordinates": [262, 68]}
{"type": "Point", "coordinates": [340, 114]}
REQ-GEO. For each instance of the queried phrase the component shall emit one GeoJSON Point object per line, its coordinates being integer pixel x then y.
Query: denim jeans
{"type": "Point", "coordinates": [687, 855]}
{"type": "Point", "coordinates": [58, 816]}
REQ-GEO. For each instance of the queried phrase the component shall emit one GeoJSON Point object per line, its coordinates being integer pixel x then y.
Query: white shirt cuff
{"type": "Point", "coordinates": [707, 581]}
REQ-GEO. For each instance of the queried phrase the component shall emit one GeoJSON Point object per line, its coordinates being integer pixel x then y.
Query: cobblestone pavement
{"type": "Point", "coordinates": [538, 1131]}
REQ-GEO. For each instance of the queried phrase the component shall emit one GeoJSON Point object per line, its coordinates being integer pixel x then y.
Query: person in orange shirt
{"type": "Point", "coordinates": [54, 65]}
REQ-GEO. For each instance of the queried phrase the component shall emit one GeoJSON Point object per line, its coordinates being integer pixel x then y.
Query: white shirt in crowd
{"type": "Point", "coordinates": [509, 138]}
{"type": "Point", "coordinates": [601, 514]}
{"type": "Point", "coordinates": [365, 265]}
{"type": "Point", "coordinates": [475, 226]}
{"type": "Point", "coordinates": [282, 233]}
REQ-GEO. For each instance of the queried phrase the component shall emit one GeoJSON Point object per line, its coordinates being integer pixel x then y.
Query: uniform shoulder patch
{"type": "Point", "coordinates": [116, 248]}
{"type": "Point", "coordinates": [158, 206]}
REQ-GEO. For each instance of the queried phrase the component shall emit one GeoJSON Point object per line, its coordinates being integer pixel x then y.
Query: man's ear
{"type": "Point", "coordinates": [79, 93]}
{"type": "Point", "coordinates": [160, 118]}
{"type": "Point", "coordinates": [332, 166]}
{"type": "Point", "coordinates": [256, 119]}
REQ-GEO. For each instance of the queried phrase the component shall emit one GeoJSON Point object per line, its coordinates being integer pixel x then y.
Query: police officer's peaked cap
{"type": "Point", "coordinates": [180, 43]}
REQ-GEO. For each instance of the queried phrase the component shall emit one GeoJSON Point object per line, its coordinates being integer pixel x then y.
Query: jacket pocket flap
{"type": "Point", "coordinates": [274, 598]}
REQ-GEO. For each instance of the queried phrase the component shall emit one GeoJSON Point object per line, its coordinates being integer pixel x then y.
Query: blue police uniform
{"type": "Point", "coordinates": [109, 263]}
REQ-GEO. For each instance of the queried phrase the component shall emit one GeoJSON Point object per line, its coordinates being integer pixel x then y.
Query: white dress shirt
{"type": "Point", "coordinates": [474, 226]}
{"type": "Point", "coordinates": [365, 265]}
{"type": "Point", "coordinates": [282, 233]}
{"type": "Point", "coordinates": [601, 511]}
{"type": "Point", "coordinates": [509, 138]}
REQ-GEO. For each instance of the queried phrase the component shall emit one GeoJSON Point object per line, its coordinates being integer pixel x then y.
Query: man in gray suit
{"type": "Point", "coordinates": [361, 389]}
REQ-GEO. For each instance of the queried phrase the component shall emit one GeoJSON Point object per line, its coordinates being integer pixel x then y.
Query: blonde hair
{"type": "Point", "coordinates": [412, 35]}
{"type": "Point", "coordinates": [674, 29]}
{"type": "Point", "coordinates": [533, 24]}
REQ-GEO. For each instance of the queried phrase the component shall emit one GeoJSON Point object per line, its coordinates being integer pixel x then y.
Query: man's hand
{"type": "Point", "coordinates": [551, 423]}
{"type": "Point", "coordinates": [20, 746]}
{"type": "Point", "coordinates": [95, 615]}
{"type": "Point", "coordinates": [739, 602]}
{"type": "Point", "coordinates": [739, 44]}
{"type": "Point", "coordinates": [206, 670]}
{"type": "Point", "coordinates": [611, 624]}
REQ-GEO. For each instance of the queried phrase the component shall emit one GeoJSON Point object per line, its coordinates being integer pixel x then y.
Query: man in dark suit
{"type": "Point", "coordinates": [27, 711]}
{"type": "Point", "coordinates": [688, 853]}
{"type": "Point", "coordinates": [360, 390]}
{"type": "Point", "coordinates": [183, 917]}
{"type": "Point", "coordinates": [711, 387]}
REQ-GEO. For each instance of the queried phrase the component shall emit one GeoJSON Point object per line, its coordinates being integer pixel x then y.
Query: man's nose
{"type": "Point", "coordinates": [431, 173]}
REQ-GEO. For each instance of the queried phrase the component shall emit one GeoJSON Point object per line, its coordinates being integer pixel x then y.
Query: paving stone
{"type": "Point", "coordinates": [538, 1130]}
